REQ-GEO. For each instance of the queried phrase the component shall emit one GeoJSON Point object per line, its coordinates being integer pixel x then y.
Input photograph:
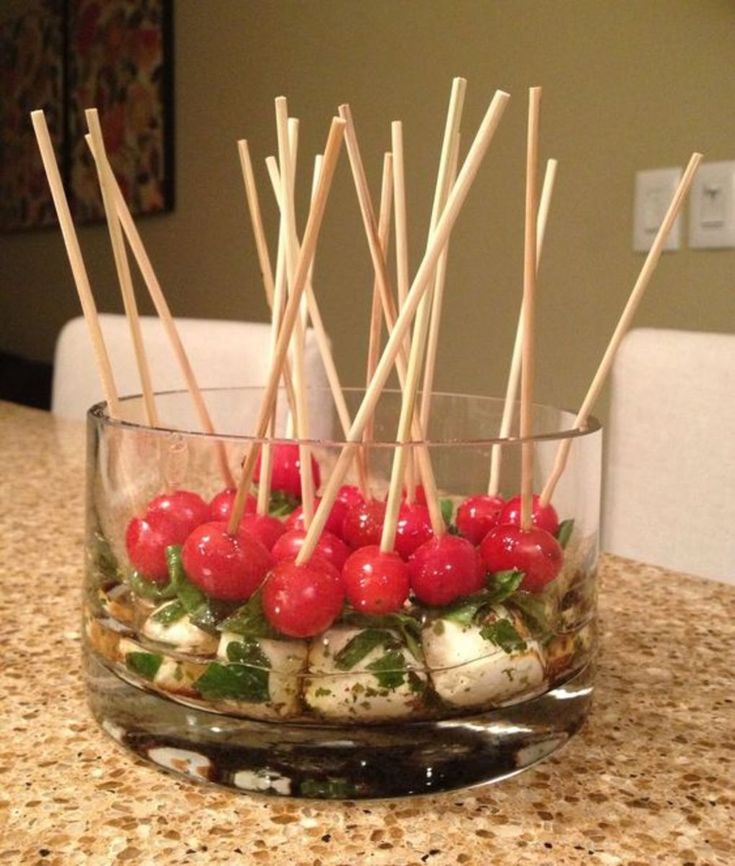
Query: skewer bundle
{"type": "Point", "coordinates": [379, 580]}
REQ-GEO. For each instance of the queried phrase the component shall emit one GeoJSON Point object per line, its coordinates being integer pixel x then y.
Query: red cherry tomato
{"type": "Point", "coordinates": [413, 528]}
{"type": "Point", "coordinates": [363, 524]}
{"type": "Point", "coordinates": [146, 541]}
{"type": "Point", "coordinates": [226, 567]}
{"type": "Point", "coordinates": [168, 519]}
{"type": "Point", "coordinates": [183, 507]}
{"type": "Point", "coordinates": [295, 519]}
{"type": "Point", "coordinates": [286, 466]}
{"type": "Point", "coordinates": [350, 495]}
{"type": "Point", "coordinates": [533, 551]}
{"type": "Point", "coordinates": [329, 547]}
{"type": "Point", "coordinates": [419, 494]}
{"type": "Point", "coordinates": [220, 506]}
{"type": "Point", "coordinates": [302, 600]}
{"type": "Point", "coordinates": [266, 528]}
{"type": "Point", "coordinates": [445, 568]}
{"type": "Point", "coordinates": [375, 582]}
{"type": "Point", "coordinates": [545, 517]}
{"type": "Point", "coordinates": [477, 515]}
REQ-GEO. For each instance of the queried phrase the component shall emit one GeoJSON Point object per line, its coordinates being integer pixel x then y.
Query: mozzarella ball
{"type": "Point", "coordinates": [360, 693]}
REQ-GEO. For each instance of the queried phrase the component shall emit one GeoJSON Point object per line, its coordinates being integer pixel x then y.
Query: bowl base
{"type": "Point", "coordinates": [337, 761]}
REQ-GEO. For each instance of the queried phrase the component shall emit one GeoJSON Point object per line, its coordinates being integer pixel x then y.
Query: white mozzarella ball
{"type": "Point", "coordinates": [287, 659]}
{"type": "Point", "coordinates": [467, 669]}
{"type": "Point", "coordinates": [335, 693]}
{"type": "Point", "coordinates": [181, 634]}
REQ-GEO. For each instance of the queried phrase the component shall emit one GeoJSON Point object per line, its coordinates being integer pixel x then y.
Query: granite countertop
{"type": "Point", "coordinates": [649, 780]}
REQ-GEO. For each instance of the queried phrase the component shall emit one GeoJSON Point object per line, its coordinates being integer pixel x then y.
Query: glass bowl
{"type": "Point", "coordinates": [430, 697]}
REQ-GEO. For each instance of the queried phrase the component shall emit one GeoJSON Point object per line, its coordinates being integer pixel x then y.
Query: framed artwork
{"type": "Point", "coordinates": [68, 55]}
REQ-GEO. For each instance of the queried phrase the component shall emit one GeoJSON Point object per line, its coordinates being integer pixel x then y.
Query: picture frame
{"type": "Point", "coordinates": [65, 56]}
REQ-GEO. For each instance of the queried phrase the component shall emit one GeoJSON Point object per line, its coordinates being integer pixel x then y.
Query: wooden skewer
{"type": "Point", "coordinates": [266, 457]}
{"type": "Point", "coordinates": [373, 353]}
{"type": "Point", "coordinates": [386, 296]}
{"type": "Point", "coordinates": [402, 268]}
{"type": "Point", "coordinates": [529, 308]}
{"type": "Point", "coordinates": [261, 246]}
{"type": "Point", "coordinates": [399, 208]}
{"type": "Point", "coordinates": [437, 299]}
{"type": "Point", "coordinates": [308, 248]}
{"type": "Point", "coordinates": [76, 261]}
{"type": "Point", "coordinates": [317, 322]}
{"type": "Point", "coordinates": [418, 289]}
{"type": "Point", "coordinates": [514, 373]}
{"type": "Point", "coordinates": [164, 313]}
{"type": "Point", "coordinates": [626, 318]}
{"type": "Point", "coordinates": [121, 264]}
{"type": "Point", "coordinates": [287, 133]}
{"type": "Point", "coordinates": [428, 316]}
{"type": "Point", "coordinates": [400, 455]}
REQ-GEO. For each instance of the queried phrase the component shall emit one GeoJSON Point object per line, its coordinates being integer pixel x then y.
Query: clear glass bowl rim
{"type": "Point", "coordinates": [98, 414]}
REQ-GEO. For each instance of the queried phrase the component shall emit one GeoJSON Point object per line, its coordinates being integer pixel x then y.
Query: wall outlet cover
{"type": "Point", "coordinates": [654, 190]}
{"type": "Point", "coordinates": [712, 206]}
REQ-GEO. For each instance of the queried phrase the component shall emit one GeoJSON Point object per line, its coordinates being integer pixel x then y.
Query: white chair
{"type": "Point", "coordinates": [670, 465]}
{"type": "Point", "coordinates": [222, 354]}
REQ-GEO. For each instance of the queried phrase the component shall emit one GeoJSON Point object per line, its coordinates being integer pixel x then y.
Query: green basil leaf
{"type": "Point", "coordinates": [503, 633]}
{"type": "Point", "coordinates": [355, 650]}
{"type": "Point", "coordinates": [281, 503]}
{"type": "Point", "coordinates": [150, 589]}
{"type": "Point", "coordinates": [501, 586]}
{"type": "Point", "coordinates": [408, 627]}
{"type": "Point", "coordinates": [189, 595]}
{"type": "Point", "coordinates": [248, 652]}
{"type": "Point", "coordinates": [389, 669]}
{"type": "Point", "coordinates": [447, 510]}
{"type": "Point", "coordinates": [249, 620]}
{"type": "Point", "coordinates": [210, 613]}
{"type": "Point", "coordinates": [328, 789]}
{"type": "Point", "coordinates": [234, 682]}
{"type": "Point", "coordinates": [533, 612]}
{"type": "Point", "coordinates": [464, 611]}
{"type": "Point", "coordinates": [102, 560]}
{"type": "Point", "coordinates": [564, 532]}
{"type": "Point", "coordinates": [169, 613]}
{"type": "Point", "coordinates": [505, 583]}
{"type": "Point", "coordinates": [145, 664]}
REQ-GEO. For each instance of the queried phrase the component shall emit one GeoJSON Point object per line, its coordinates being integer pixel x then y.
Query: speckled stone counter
{"type": "Point", "coordinates": [649, 780]}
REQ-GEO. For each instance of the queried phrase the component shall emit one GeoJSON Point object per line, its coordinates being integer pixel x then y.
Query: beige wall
{"type": "Point", "coordinates": [628, 84]}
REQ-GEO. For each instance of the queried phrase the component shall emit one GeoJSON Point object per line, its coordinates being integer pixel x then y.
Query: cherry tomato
{"type": "Point", "coordinates": [302, 600]}
{"type": "Point", "coordinates": [220, 506]}
{"type": "Point", "coordinates": [183, 507]}
{"type": "Point", "coordinates": [544, 517]}
{"type": "Point", "coordinates": [286, 466]}
{"type": "Point", "coordinates": [413, 528]}
{"type": "Point", "coordinates": [266, 528]}
{"type": "Point", "coordinates": [329, 547]}
{"type": "Point", "coordinates": [295, 519]}
{"type": "Point", "coordinates": [374, 581]}
{"type": "Point", "coordinates": [533, 551]}
{"type": "Point", "coordinates": [477, 515]}
{"type": "Point", "coordinates": [419, 494]}
{"type": "Point", "coordinates": [445, 568]}
{"type": "Point", "coordinates": [350, 495]}
{"type": "Point", "coordinates": [146, 542]}
{"type": "Point", "coordinates": [363, 524]}
{"type": "Point", "coordinates": [168, 519]}
{"type": "Point", "coordinates": [226, 567]}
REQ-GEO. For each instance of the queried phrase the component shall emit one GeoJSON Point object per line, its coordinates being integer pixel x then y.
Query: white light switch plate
{"type": "Point", "coordinates": [654, 190]}
{"type": "Point", "coordinates": [712, 206]}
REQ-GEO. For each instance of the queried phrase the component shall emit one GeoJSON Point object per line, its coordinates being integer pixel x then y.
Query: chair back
{"type": "Point", "coordinates": [670, 464]}
{"type": "Point", "coordinates": [222, 354]}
